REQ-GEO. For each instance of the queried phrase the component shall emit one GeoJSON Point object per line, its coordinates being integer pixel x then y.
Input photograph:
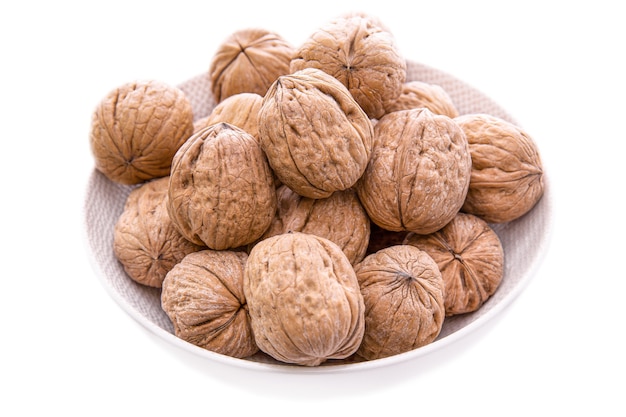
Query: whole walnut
{"type": "Point", "coordinates": [221, 192]}
{"type": "Point", "coordinates": [403, 292]}
{"type": "Point", "coordinates": [419, 172]}
{"type": "Point", "coordinates": [136, 130]}
{"type": "Point", "coordinates": [241, 110]}
{"type": "Point", "coordinates": [145, 241]}
{"type": "Point", "coordinates": [203, 297]}
{"type": "Point", "coordinates": [416, 94]}
{"type": "Point", "coordinates": [362, 55]}
{"type": "Point", "coordinates": [249, 61]}
{"type": "Point", "coordinates": [304, 299]}
{"type": "Point", "coordinates": [316, 137]}
{"type": "Point", "coordinates": [471, 260]}
{"type": "Point", "coordinates": [507, 173]}
{"type": "Point", "coordinates": [339, 218]}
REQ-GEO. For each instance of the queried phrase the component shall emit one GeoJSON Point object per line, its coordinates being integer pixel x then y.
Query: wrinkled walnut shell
{"type": "Point", "coordinates": [241, 110]}
{"type": "Point", "coordinates": [416, 94]}
{"type": "Point", "coordinates": [203, 297]}
{"type": "Point", "coordinates": [471, 260]}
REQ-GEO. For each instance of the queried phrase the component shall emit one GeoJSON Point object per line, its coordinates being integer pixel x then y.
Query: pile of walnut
{"type": "Point", "coordinates": [326, 209]}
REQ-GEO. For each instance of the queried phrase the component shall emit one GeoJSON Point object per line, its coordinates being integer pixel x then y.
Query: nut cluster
{"type": "Point", "coordinates": [328, 209]}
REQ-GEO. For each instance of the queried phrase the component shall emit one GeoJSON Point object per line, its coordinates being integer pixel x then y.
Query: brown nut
{"type": "Point", "coordinates": [241, 110]}
{"type": "Point", "coordinates": [316, 137]}
{"type": "Point", "coordinates": [362, 55]}
{"type": "Point", "coordinates": [418, 174]}
{"type": "Point", "coordinates": [416, 94]}
{"type": "Point", "coordinates": [249, 61]}
{"type": "Point", "coordinates": [339, 218]}
{"type": "Point", "coordinates": [507, 173]}
{"type": "Point", "coordinates": [471, 260]}
{"type": "Point", "coordinates": [403, 292]}
{"type": "Point", "coordinates": [304, 299]}
{"type": "Point", "coordinates": [145, 241]}
{"type": "Point", "coordinates": [136, 130]}
{"type": "Point", "coordinates": [203, 297]}
{"type": "Point", "coordinates": [221, 191]}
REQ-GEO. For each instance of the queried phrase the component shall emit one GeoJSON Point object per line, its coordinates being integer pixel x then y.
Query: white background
{"type": "Point", "coordinates": [67, 348]}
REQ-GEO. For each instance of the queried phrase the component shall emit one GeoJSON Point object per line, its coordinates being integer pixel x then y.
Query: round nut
{"type": "Point", "coordinates": [316, 137]}
{"type": "Point", "coordinates": [304, 299]}
{"type": "Point", "coordinates": [136, 130]}
{"type": "Point", "coordinates": [241, 110]}
{"type": "Point", "coordinates": [507, 173]}
{"type": "Point", "coordinates": [203, 297]}
{"type": "Point", "coordinates": [416, 94]}
{"type": "Point", "coordinates": [471, 260]}
{"type": "Point", "coordinates": [419, 172]}
{"type": "Point", "coordinates": [221, 191]}
{"type": "Point", "coordinates": [403, 292]}
{"type": "Point", "coordinates": [249, 61]}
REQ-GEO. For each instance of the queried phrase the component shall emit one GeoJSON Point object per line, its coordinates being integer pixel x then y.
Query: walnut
{"type": "Point", "coordinates": [241, 110]}
{"type": "Point", "coordinates": [304, 299]}
{"type": "Point", "coordinates": [471, 260]}
{"type": "Point", "coordinates": [403, 292]}
{"type": "Point", "coordinates": [339, 218]}
{"type": "Point", "coordinates": [145, 241]}
{"type": "Point", "coordinates": [419, 172]}
{"type": "Point", "coordinates": [221, 191]}
{"type": "Point", "coordinates": [361, 54]}
{"type": "Point", "coordinates": [203, 297]}
{"type": "Point", "coordinates": [136, 130]}
{"type": "Point", "coordinates": [416, 94]}
{"type": "Point", "coordinates": [249, 61]}
{"type": "Point", "coordinates": [316, 137]}
{"type": "Point", "coordinates": [507, 173]}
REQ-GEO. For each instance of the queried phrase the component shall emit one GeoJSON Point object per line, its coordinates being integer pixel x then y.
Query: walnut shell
{"type": "Point", "coordinates": [419, 172]}
{"type": "Point", "coordinates": [136, 130]}
{"type": "Point", "coordinates": [361, 54]}
{"type": "Point", "coordinates": [203, 297]}
{"type": "Point", "coordinates": [339, 218]}
{"type": "Point", "coordinates": [316, 137]}
{"type": "Point", "coordinates": [471, 260]}
{"type": "Point", "coordinates": [221, 191]}
{"type": "Point", "coordinates": [416, 94]}
{"type": "Point", "coordinates": [304, 299]}
{"type": "Point", "coordinates": [145, 241]}
{"type": "Point", "coordinates": [507, 173]}
{"type": "Point", "coordinates": [249, 61]}
{"type": "Point", "coordinates": [241, 110]}
{"type": "Point", "coordinates": [403, 292]}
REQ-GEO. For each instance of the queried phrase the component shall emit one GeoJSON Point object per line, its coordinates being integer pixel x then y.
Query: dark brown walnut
{"type": "Point", "coordinates": [381, 238]}
{"type": "Point", "coordinates": [339, 218]}
{"type": "Point", "coordinates": [507, 172]}
{"type": "Point", "coordinates": [304, 299]}
{"type": "Point", "coordinates": [316, 137]}
{"type": "Point", "coordinates": [136, 130]}
{"type": "Point", "coordinates": [249, 61]}
{"type": "Point", "coordinates": [403, 292]}
{"type": "Point", "coordinates": [471, 260]}
{"type": "Point", "coordinates": [241, 110]}
{"type": "Point", "coordinates": [360, 53]}
{"type": "Point", "coordinates": [419, 172]}
{"type": "Point", "coordinates": [203, 297]}
{"type": "Point", "coordinates": [221, 191]}
{"type": "Point", "coordinates": [145, 241]}
{"type": "Point", "coordinates": [416, 94]}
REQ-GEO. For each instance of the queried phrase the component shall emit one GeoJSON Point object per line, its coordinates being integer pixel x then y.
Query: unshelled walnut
{"type": "Point", "coordinates": [419, 172]}
{"type": "Point", "coordinates": [203, 297]}
{"type": "Point", "coordinates": [221, 192]}
{"type": "Point", "coordinates": [241, 110]}
{"type": "Point", "coordinates": [507, 172]}
{"type": "Point", "coordinates": [471, 260]}
{"type": "Point", "coordinates": [403, 292]}
{"type": "Point", "coordinates": [145, 241]}
{"type": "Point", "coordinates": [136, 130]}
{"type": "Point", "coordinates": [416, 94]}
{"type": "Point", "coordinates": [339, 218]}
{"type": "Point", "coordinates": [362, 55]}
{"type": "Point", "coordinates": [316, 137]}
{"type": "Point", "coordinates": [304, 299]}
{"type": "Point", "coordinates": [249, 61]}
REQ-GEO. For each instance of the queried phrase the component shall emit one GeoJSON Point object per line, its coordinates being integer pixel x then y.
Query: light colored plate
{"type": "Point", "coordinates": [524, 240]}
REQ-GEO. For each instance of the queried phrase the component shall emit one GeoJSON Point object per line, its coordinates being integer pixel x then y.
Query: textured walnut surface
{"type": "Point", "coordinates": [416, 94]}
{"type": "Point", "coordinates": [241, 110]}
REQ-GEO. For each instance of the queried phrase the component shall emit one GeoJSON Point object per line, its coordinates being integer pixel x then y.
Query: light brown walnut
{"type": "Point", "coordinates": [416, 94]}
{"type": "Point", "coordinates": [241, 110]}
